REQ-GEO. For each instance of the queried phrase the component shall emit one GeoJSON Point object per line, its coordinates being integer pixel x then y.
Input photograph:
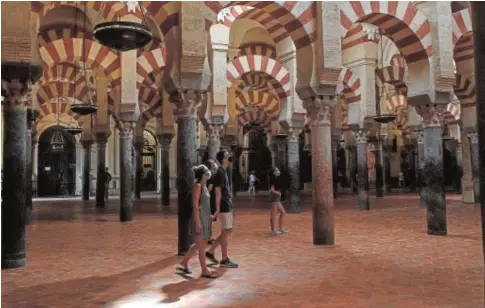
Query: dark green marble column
{"type": "Point", "coordinates": [138, 147]}
{"type": "Point", "coordinates": [165, 140]}
{"type": "Point", "coordinates": [126, 172]}
{"type": "Point", "coordinates": [86, 168]}
{"type": "Point", "coordinates": [101, 141]}
{"type": "Point", "coordinates": [362, 171]}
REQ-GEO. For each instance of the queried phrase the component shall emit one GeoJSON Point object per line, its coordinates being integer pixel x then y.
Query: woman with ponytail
{"type": "Point", "coordinates": [202, 221]}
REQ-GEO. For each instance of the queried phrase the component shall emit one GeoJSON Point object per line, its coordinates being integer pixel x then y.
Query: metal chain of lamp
{"type": "Point", "coordinates": [57, 140]}
{"type": "Point", "coordinates": [124, 35]}
{"type": "Point", "coordinates": [383, 93]}
{"type": "Point", "coordinates": [90, 106]}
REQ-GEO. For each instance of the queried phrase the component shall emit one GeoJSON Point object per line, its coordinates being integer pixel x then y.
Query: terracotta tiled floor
{"type": "Point", "coordinates": [78, 257]}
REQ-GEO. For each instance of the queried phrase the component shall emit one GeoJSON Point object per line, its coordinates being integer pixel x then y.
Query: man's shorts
{"type": "Point", "coordinates": [226, 220]}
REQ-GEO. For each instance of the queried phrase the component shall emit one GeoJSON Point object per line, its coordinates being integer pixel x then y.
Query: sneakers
{"type": "Point", "coordinates": [228, 263]}
{"type": "Point", "coordinates": [211, 257]}
{"type": "Point", "coordinates": [280, 231]}
{"type": "Point", "coordinates": [283, 231]}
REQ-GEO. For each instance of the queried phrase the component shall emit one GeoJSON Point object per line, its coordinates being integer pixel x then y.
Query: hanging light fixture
{"type": "Point", "coordinates": [124, 35]}
{"type": "Point", "coordinates": [57, 140]}
{"type": "Point", "coordinates": [73, 130]}
{"type": "Point", "coordinates": [89, 107]}
{"type": "Point", "coordinates": [383, 95]}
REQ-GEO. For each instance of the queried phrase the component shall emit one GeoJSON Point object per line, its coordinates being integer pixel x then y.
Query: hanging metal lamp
{"type": "Point", "coordinates": [57, 140]}
{"type": "Point", "coordinates": [387, 117]}
{"type": "Point", "coordinates": [89, 107]}
{"type": "Point", "coordinates": [124, 35]}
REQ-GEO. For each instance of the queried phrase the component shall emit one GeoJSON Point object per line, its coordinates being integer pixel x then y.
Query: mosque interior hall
{"type": "Point", "coordinates": [356, 125]}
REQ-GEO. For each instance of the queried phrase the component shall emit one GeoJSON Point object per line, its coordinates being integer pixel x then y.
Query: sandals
{"type": "Point", "coordinates": [184, 270]}
{"type": "Point", "coordinates": [209, 276]}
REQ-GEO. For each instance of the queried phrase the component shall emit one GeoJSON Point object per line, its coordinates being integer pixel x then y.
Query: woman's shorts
{"type": "Point", "coordinates": [274, 198]}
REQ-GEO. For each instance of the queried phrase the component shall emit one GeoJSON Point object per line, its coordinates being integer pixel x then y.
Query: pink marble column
{"type": "Point", "coordinates": [318, 110]}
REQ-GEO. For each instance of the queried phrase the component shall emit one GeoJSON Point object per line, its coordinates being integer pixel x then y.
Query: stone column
{"type": "Point", "coordinates": [323, 210]}
{"type": "Point", "coordinates": [293, 158]}
{"type": "Point", "coordinates": [270, 144]}
{"type": "Point", "coordinates": [420, 168]}
{"type": "Point", "coordinates": [410, 147]}
{"type": "Point", "coordinates": [186, 103]}
{"type": "Point", "coordinates": [335, 147]}
{"type": "Point", "coordinates": [387, 166]}
{"type": "Point", "coordinates": [126, 172]}
{"type": "Point", "coordinates": [362, 171]}
{"type": "Point", "coordinates": [138, 146]}
{"type": "Point", "coordinates": [379, 166]}
{"type": "Point", "coordinates": [165, 140]}
{"type": "Point", "coordinates": [214, 140]}
{"type": "Point", "coordinates": [101, 141]}
{"type": "Point", "coordinates": [352, 150]}
{"type": "Point", "coordinates": [475, 162]}
{"type": "Point", "coordinates": [229, 144]}
{"type": "Point", "coordinates": [459, 167]}
{"type": "Point", "coordinates": [433, 169]}
{"type": "Point", "coordinates": [16, 82]}
{"type": "Point", "coordinates": [28, 166]}
{"type": "Point", "coordinates": [86, 168]}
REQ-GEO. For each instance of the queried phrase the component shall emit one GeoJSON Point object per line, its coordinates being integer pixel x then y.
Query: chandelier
{"type": "Point", "coordinates": [89, 107]}
{"type": "Point", "coordinates": [57, 140]}
{"type": "Point", "coordinates": [124, 35]}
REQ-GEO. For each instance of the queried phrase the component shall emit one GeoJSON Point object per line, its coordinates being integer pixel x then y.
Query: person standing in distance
{"type": "Point", "coordinates": [223, 212]}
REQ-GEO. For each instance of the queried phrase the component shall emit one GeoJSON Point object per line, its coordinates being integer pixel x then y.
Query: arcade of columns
{"type": "Point", "coordinates": [312, 68]}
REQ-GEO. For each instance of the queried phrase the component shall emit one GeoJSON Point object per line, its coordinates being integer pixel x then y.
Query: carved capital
{"type": "Point", "coordinates": [294, 134]}
{"type": "Point", "coordinates": [214, 131]}
{"type": "Point", "coordinates": [186, 102]}
{"type": "Point", "coordinates": [473, 137]}
{"type": "Point", "coordinates": [419, 136]}
{"type": "Point", "coordinates": [87, 143]}
{"type": "Point", "coordinates": [361, 136]}
{"type": "Point", "coordinates": [319, 110]}
{"type": "Point", "coordinates": [433, 115]}
{"type": "Point", "coordinates": [126, 129]}
{"type": "Point", "coordinates": [102, 137]}
{"type": "Point", "coordinates": [165, 140]}
{"type": "Point", "coordinates": [15, 94]}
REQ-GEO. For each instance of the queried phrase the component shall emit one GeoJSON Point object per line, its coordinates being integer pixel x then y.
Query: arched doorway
{"type": "Point", "coordinates": [56, 167]}
{"type": "Point", "coordinates": [149, 162]}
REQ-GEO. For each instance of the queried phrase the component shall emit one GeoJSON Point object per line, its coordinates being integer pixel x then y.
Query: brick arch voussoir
{"type": "Point", "coordinates": [351, 86]}
{"type": "Point", "coordinates": [256, 63]}
{"type": "Point", "coordinates": [462, 25]}
{"type": "Point", "coordinates": [401, 21]}
{"type": "Point", "coordinates": [393, 75]}
{"type": "Point", "coordinates": [464, 88]}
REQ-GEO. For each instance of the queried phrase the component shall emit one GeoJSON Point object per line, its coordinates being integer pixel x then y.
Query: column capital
{"type": "Point", "coordinates": [319, 109]}
{"type": "Point", "coordinates": [165, 140]}
{"type": "Point", "coordinates": [15, 94]}
{"type": "Point", "coordinates": [361, 136]}
{"type": "Point", "coordinates": [187, 101]}
{"type": "Point", "coordinates": [87, 143]}
{"type": "Point", "coordinates": [294, 134]}
{"type": "Point", "coordinates": [214, 131]}
{"type": "Point", "coordinates": [102, 137]}
{"type": "Point", "coordinates": [126, 129]}
{"type": "Point", "coordinates": [433, 115]}
{"type": "Point", "coordinates": [473, 137]}
{"type": "Point", "coordinates": [420, 137]}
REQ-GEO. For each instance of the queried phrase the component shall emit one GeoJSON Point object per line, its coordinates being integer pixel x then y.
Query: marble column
{"type": "Point", "coordinates": [387, 166]}
{"type": "Point", "coordinates": [352, 150]}
{"type": "Point", "coordinates": [126, 172]}
{"type": "Point", "coordinates": [16, 83]}
{"type": "Point", "coordinates": [410, 147]}
{"type": "Point", "coordinates": [138, 146]}
{"type": "Point", "coordinates": [379, 166]}
{"type": "Point", "coordinates": [165, 140]}
{"type": "Point", "coordinates": [79, 169]}
{"type": "Point", "coordinates": [186, 105]}
{"type": "Point", "coordinates": [467, 189]}
{"type": "Point", "coordinates": [475, 162]}
{"type": "Point", "coordinates": [420, 168]}
{"type": "Point", "coordinates": [271, 147]}
{"type": "Point", "coordinates": [86, 168]}
{"type": "Point", "coordinates": [433, 170]}
{"type": "Point", "coordinates": [293, 158]}
{"type": "Point", "coordinates": [323, 208]}
{"type": "Point", "coordinates": [101, 141]}
{"type": "Point", "coordinates": [230, 144]}
{"type": "Point", "coordinates": [335, 147]}
{"type": "Point", "coordinates": [459, 167]}
{"type": "Point", "coordinates": [362, 171]}
{"type": "Point", "coordinates": [28, 166]}
{"type": "Point", "coordinates": [281, 158]}
{"type": "Point", "coordinates": [478, 23]}
{"type": "Point", "coordinates": [214, 140]}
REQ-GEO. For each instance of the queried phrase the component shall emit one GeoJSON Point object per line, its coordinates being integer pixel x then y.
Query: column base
{"type": "Point", "coordinates": [437, 233]}
{"type": "Point", "coordinates": [28, 216]}
{"type": "Point", "coordinates": [13, 263]}
{"type": "Point", "coordinates": [363, 201]}
{"type": "Point", "coordinates": [468, 197]}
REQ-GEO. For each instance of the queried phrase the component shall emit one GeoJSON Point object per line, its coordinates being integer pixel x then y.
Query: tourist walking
{"type": "Point", "coordinates": [107, 180]}
{"type": "Point", "coordinates": [212, 166]}
{"type": "Point", "coordinates": [223, 210]}
{"type": "Point", "coordinates": [202, 221]}
{"type": "Point", "coordinates": [276, 206]}
{"type": "Point", "coordinates": [252, 183]}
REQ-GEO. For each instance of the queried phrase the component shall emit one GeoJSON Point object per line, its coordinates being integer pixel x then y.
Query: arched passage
{"type": "Point", "coordinates": [56, 169]}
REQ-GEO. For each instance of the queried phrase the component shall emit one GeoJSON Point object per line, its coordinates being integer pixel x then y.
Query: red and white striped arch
{"type": "Point", "coordinates": [254, 115]}
{"type": "Point", "coordinates": [464, 89]}
{"type": "Point", "coordinates": [296, 17]}
{"type": "Point", "coordinates": [393, 75]}
{"type": "Point", "coordinates": [279, 76]}
{"type": "Point", "coordinates": [401, 120]}
{"type": "Point", "coordinates": [51, 108]}
{"type": "Point", "coordinates": [149, 113]}
{"type": "Point", "coordinates": [50, 91]}
{"type": "Point", "coordinates": [150, 63]}
{"type": "Point", "coordinates": [355, 36]}
{"type": "Point", "coordinates": [398, 60]}
{"type": "Point", "coordinates": [351, 86]}
{"type": "Point", "coordinates": [462, 35]}
{"type": "Point", "coordinates": [96, 56]}
{"type": "Point", "coordinates": [64, 72]}
{"type": "Point", "coordinates": [258, 48]}
{"type": "Point", "coordinates": [409, 29]}
{"type": "Point", "coordinates": [149, 95]}
{"type": "Point", "coordinates": [452, 113]}
{"type": "Point", "coordinates": [263, 100]}
{"type": "Point", "coordinates": [396, 102]}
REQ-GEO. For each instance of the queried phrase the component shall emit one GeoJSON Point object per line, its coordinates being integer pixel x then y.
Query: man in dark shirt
{"type": "Point", "coordinates": [223, 200]}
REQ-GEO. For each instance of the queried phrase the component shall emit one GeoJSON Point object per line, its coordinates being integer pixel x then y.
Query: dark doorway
{"type": "Point", "coordinates": [259, 157]}
{"type": "Point", "coordinates": [149, 162]}
{"type": "Point", "coordinates": [56, 165]}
